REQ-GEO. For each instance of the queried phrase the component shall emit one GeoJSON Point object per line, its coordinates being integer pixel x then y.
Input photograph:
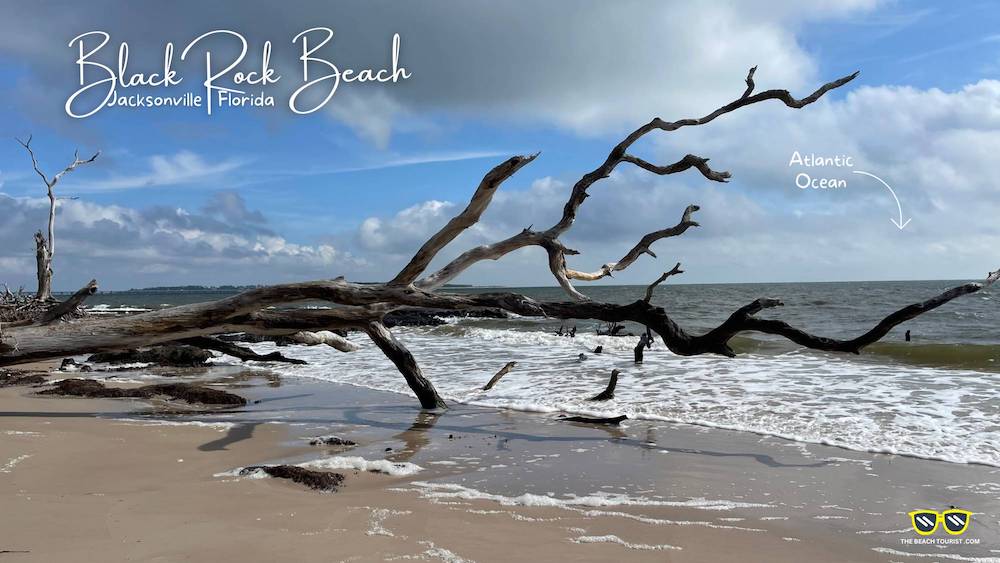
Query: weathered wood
{"type": "Point", "coordinates": [642, 247]}
{"type": "Point", "coordinates": [43, 268]}
{"type": "Point", "coordinates": [459, 223]}
{"type": "Point", "coordinates": [615, 420]}
{"type": "Point", "coordinates": [673, 272]}
{"type": "Point", "coordinates": [239, 352]}
{"type": "Point", "coordinates": [69, 306]}
{"type": "Point", "coordinates": [403, 359]}
{"type": "Point", "coordinates": [45, 250]}
{"type": "Point", "coordinates": [362, 306]}
{"type": "Point", "coordinates": [242, 313]}
{"type": "Point", "coordinates": [638, 350]}
{"type": "Point", "coordinates": [503, 371]}
{"type": "Point", "coordinates": [609, 392]}
{"type": "Point", "coordinates": [548, 239]}
{"type": "Point", "coordinates": [324, 337]}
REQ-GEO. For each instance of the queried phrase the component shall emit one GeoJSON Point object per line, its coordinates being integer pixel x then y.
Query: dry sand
{"type": "Point", "coordinates": [77, 484]}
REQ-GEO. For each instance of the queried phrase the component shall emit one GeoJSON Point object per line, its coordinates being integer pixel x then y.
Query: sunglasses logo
{"type": "Point", "coordinates": [956, 521]}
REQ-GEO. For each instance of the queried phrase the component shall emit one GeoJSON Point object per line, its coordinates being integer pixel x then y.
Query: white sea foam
{"type": "Point", "coordinates": [950, 556]}
{"type": "Point", "coordinates": [451, 491]}
{"type": "Point", "coordinates": [854, 403]}
{"type": "Point", "coordinates": [376, 521]}
{"type": "Point", "coordinates": [105, 309]}
{"type": "Point", "coordinates": [220, 426]}
{"type": "Point", "coordinates": [9, 466]}
{"type": "Point", "coordinates": [611, 538]}
{"type": "Point", "coordinates": [666, 522]}
{"type": "Point", "coordinates": [394, 468]}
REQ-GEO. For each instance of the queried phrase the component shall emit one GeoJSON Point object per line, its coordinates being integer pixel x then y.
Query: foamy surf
{"type": "Point", "coordinates": [853, 403]}
{"type": "Point", "coordinates": [386, 467]}
{"type": "Point", "coordinates": [437, 492]}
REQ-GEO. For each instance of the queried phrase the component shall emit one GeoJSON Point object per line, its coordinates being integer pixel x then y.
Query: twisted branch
{"type": "Point", "coordinates": [642, 247]}
{"type": "Point", "coordinates": [673, 272]}
{"type": "Point", "coordinates": [459, 223]}
{"type": "Point", "coordinates": [549, 239]}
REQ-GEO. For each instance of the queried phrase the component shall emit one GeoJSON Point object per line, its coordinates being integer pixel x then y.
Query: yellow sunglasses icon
{"type": "Point", "coordinates": [956, 521]}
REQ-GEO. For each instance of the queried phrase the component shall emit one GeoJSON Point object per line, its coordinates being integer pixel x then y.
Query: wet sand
{"type": "Point", "coordinates": [104, 480]}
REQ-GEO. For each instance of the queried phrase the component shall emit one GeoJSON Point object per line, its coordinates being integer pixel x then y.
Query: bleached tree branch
{"type": "Point", "coordinates": [45, 250]}
{"type": "Point", "coordinates": [459, 223]}
{"type": "Point", "coordinates": [549, 239]}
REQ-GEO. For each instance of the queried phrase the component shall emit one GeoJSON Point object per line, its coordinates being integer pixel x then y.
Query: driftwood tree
{"type": "Point", "coordinates": [363, 306]}
{"type": "Point", "coordinates": [45, 249]}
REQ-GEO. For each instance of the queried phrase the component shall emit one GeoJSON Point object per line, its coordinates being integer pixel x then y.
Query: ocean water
{"type": "Point", "coordinates": [936, 397]}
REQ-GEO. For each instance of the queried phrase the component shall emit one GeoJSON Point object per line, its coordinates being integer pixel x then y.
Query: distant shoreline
{"type": "Point", "coordinates": [236, 289]}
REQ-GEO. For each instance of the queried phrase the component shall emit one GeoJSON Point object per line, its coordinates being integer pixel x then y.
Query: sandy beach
{"type": "Point", "coordinates": [124, 480]}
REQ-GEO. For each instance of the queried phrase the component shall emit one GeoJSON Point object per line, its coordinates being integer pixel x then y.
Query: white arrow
{"type": "Point", "coordinates": [901, 223]}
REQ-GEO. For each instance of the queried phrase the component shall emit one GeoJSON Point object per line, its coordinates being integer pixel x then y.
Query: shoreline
{"type": "Point", "coordinates": [572, 491]}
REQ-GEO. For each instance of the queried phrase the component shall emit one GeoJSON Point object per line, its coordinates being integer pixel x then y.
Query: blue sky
{"type": "Point", "coordinates": [255, 196]}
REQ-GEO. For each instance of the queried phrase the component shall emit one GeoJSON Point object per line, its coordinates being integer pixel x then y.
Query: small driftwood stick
{"type": "Point", "coordinates": [609, 392]}
{"type": "Point", "coordinates": [587, 420]}
{"type": "Point", "coordinates": [496, 378]}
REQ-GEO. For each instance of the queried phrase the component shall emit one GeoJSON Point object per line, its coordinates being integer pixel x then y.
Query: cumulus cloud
{"type": "Point", "coordinates": [398, 234]}
{"type": "Point", "coordinates": [934, 147]}
{"type": "Point", "coordinates": [589, 67]}
{"type": "Point", "coordinates": [225, 243]}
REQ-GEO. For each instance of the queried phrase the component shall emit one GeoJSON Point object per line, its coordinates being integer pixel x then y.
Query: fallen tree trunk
{"type": "Point", "coordinates": [363, 306]}
{"type": "Point", "coordinates": [30, 343]}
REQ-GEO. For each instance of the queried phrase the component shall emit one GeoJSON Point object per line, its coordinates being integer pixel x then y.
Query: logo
{"type": "Point", "coordinates": [956, 521]}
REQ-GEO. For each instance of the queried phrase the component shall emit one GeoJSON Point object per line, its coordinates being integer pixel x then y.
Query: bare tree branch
{"type": "Point", "coordinates": [459, 223]}
{"type": "Point", "coordinates": [689, 161]}
{"type": "Point", "coordinates": [548, 239]}
{"type": "Point", "coordinates": [399, 355]}
{"type": "Point", "coordinates": [642, 247]}
{"type": "Point", "coordinates": [46, 250]}
{"type": "Point", "coordinates": [619, 151]}
{"type": "Point", "coordinates": [673, 272]}
{"type": "Point", "coordinates": [750, 84]}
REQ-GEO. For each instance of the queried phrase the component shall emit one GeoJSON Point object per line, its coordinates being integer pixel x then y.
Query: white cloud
{"type": "Point", "coordinates": [936, 148]}
{"type": "Point", "coordinates": [590, 67]}
{"type": "Point", "coordinates": [128, 247]}
{"type": "Point", "coordinates": [410, 226]}
{"type": "Point", "coordinates": [181, 168]}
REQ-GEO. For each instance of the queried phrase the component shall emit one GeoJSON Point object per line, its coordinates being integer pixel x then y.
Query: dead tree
{"type": "Point", "coordinates": [45, 249]}
{"type": "Point", "coordinates": [362, 306]}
